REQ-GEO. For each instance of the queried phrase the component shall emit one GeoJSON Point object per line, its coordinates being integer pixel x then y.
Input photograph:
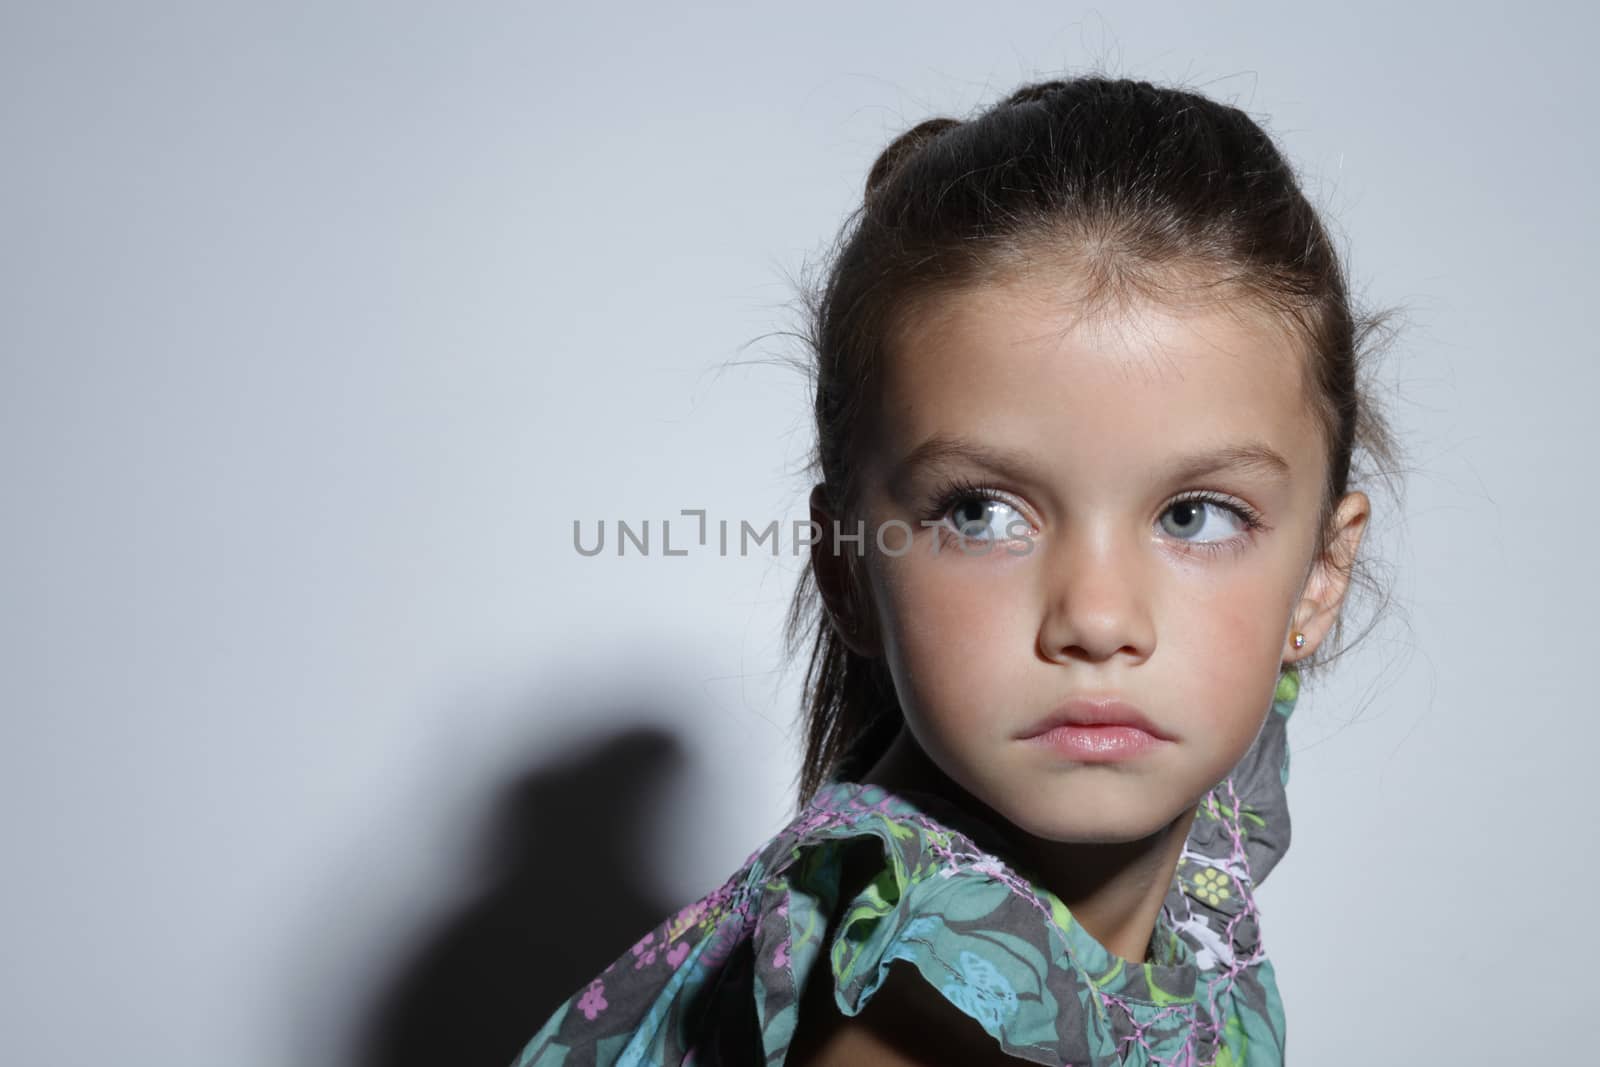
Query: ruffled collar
{"type": "Point", "coordinates": [1172, 968]}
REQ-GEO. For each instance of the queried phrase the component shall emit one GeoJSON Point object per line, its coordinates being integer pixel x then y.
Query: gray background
{"type": "Point", "coordinates": [320, 322]}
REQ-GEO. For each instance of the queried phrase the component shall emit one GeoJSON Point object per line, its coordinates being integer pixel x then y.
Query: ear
{"type": "Point", "coordinates": [1329, 579]}
{"type": "Point", "coordinates": [842, 582]}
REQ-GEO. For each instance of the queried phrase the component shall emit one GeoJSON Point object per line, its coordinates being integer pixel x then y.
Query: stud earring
{"type": "Point", "coordinates": [1299, 639]}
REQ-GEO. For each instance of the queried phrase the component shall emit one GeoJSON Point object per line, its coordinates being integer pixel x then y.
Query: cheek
{"type": "Point", "coordinates": [1234, 641]}
{"type": "Point", "coordinates": [952, 628]}
{"type": "Point", "coordinates": [1234, 622]}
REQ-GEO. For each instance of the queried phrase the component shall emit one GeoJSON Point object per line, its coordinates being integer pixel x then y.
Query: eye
{"type": "Point", "coordinates": [983, 518]}
{"type": "Point", "coordinates": [1193, 517]}
{"type": "Point", "coordinates": [976, 513]}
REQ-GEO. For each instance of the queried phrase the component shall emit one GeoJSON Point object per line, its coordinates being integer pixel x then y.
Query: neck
{"type": "Point", "coordinates": [1113, 889]}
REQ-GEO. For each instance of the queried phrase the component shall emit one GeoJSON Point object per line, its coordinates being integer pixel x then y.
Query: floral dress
{"type": "Point", "coordinates": [719, 982]}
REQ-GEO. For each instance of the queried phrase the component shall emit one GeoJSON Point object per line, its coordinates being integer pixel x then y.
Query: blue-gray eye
{"type": "Point", "coordinates": [1191, 514]}
{"type": "Point", "coordinates": [983, 518]}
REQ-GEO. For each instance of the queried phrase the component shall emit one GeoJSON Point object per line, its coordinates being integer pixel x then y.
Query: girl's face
{"type": "Point", "coordinates": [1139, 497]}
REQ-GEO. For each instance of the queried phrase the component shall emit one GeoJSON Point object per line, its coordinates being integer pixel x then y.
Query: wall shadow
{"type": "Point", "coordinates": [566, 898]}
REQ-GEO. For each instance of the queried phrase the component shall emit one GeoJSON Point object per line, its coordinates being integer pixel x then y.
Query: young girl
{"type": "Point", "coordinates": [1086, 404]}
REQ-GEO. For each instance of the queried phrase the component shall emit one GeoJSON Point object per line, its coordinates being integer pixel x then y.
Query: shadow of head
{"type": "Point", "coordinates": [566, 895]}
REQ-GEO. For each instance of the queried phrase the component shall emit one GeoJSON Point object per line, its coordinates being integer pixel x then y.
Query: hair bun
{"type": "Point", "coordinates": [902, 148]}
{"type": "Point", "coordinates": [1041, 91]}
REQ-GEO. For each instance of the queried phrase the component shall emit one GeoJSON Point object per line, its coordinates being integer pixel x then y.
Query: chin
{"type": "Point", "coordinates": [1107, 826]}
{"type": "Point", "coordinates": [1101, 833]}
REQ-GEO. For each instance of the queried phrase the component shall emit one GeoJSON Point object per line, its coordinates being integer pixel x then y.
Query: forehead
{"type": "Point", "coordinates": [1021, 363]}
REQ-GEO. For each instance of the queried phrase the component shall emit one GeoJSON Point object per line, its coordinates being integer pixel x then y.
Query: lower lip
{"type": "Point", "coordinates": [1098, 744]}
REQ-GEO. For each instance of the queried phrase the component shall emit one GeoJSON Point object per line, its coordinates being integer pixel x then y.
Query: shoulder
{"type": "Point", "coordinates": [905, 1023]}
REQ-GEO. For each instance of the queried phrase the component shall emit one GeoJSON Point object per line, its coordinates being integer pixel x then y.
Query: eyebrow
{"type": "Point", "coordinates": [1249, 457]}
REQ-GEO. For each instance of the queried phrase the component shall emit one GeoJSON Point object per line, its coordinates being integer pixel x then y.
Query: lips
{"type": "Point", "coordinates": [1101, 711]}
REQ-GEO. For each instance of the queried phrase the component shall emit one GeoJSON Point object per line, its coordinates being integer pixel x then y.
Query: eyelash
{"type": "Point", "coordinates": [959, 490]}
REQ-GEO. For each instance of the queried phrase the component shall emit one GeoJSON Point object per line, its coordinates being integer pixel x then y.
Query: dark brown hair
{"type": "Point", "coordinates": [1143, 190]}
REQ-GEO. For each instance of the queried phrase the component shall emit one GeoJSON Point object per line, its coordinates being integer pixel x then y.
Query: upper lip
{"type": "Point", "coordinates": [1094, 711]}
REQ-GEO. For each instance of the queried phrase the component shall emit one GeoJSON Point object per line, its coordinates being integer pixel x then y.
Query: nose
{"type": "Point", "coordinates": [1095, 600]}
